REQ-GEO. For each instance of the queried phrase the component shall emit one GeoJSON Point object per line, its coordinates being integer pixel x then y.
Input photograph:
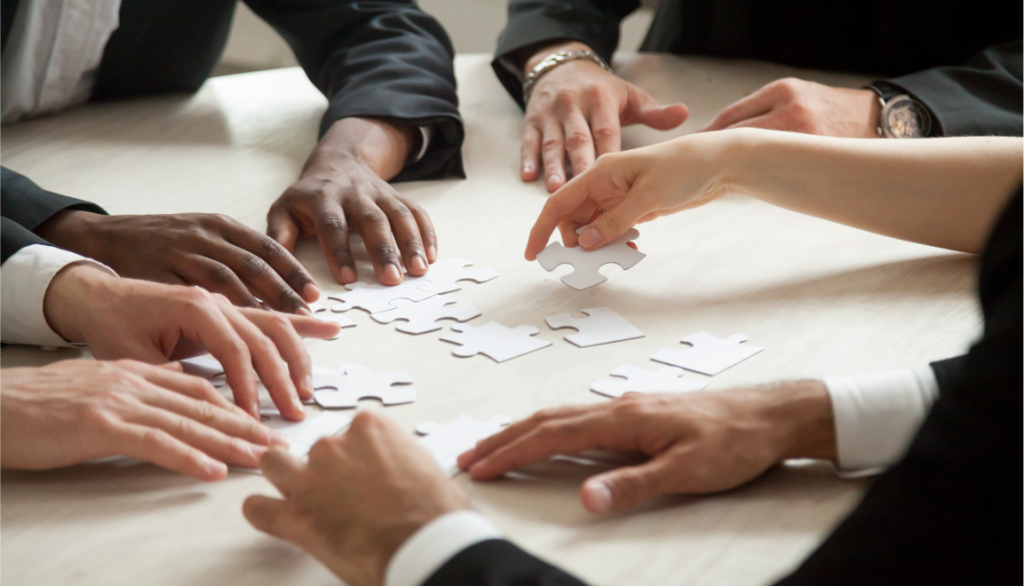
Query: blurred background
{"type": "Point", "coordinates": [472, 24]}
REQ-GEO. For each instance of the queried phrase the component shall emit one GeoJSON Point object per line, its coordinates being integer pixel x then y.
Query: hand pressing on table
{"type": "Point", "coordinates": [79, 410]}
{"type": "Point", "coordinates": [695, 443]}
{"type": "Point", "coordinates": [212, 251]}
{"type": "Point", "coordinates": [154, 323]}
{"type": "Point", "coordinates": [804, 106]}
{"type": "Point", "coordinates": [357, 500]}
{"type": "Point", "coordinates": [577, 110]}
{"type": "Point", "coordinates": [343, 189]}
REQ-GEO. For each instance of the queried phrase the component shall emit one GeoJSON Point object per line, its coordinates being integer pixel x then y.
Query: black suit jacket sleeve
{"type": "Point", "coordinates": [530, 22]}
{"type": "Point", "coordinates": [982, 97]}
{"type": "Point", "coordinates": [498, 563]}
{"type": "Point", "coordinates": [378, 58]}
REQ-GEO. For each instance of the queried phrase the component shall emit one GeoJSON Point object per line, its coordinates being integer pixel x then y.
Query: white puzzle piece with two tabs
{"type": "Point", "coordinates": [587, 263]}
{"type": "Point", "coordinates": [495, 340]}
{"type": "Point", "coordinates": [446, 442]}
{"type": "Point", "coordinates": [343, 388]}
{"type": "Point", "coordinates": [443, 276]}
{"type": "Point", "coordinates": [709, 355]}
{"type": "Point", "coordinates": [603, 326]}
{"type": "Point", "coordinates": [423, 315]}
{"type": "Point", "coordinates": [632, 379]}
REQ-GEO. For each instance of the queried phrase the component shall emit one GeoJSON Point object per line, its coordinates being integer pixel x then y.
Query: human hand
{"type": "Point", "coordinates": [804, 106]}
{"type": "Point", "coordinates": [696, 443]}
{"type": "Point", "coordinates": [576, 110]}
{"type": "Point", "coordinates": [360, 497]}
{"type": "Point", "coordinates": [623, 189]}
{"type": "Point", "coordinates": [154, 323]}
{"type": "Point", "coordinates": [78, 410]}
{"type": "Point", "coordinates": [344, 187]}
{"type": "Point", "coordinates": [212, 251]}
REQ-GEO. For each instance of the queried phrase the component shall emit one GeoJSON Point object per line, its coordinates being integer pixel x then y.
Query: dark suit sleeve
{"type": "Point", "coordinates": [498, 563]}
{"type": "Point", "coordinates": [980, 98]}
{"type": "Point", "coordinates": [14, 237]}
{"type": "Point", "coordinates": [27, 205]}
{"type": "Point", "coordinates": [378, 58]}
{"type": "Point", "coordinates": [941, 516]}
{"type": "Point", "coordinates": [530, 22]}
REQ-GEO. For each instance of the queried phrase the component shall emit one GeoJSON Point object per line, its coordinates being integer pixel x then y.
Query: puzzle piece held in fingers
{"type": "Point", "coordinates": [587, 263]}
{"type": "Point", "coordinates": [631, 379]}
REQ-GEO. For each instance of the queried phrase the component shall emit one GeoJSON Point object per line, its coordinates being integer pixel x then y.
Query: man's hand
{"type": "Point", "coordinates": [212, 251]}
{"type": "Point", "coordinates": [697, 443]}
{"type": "Point", "coordinates": [804, 106]}
{"type": "Point", "coordinates": [358, 499]}
{"type": "Point", "coordinates": [343, 188]}
{"type": "Point", "coordinates": [576, 110]}
{"type": "Point", "coordinates": [154, 323]}
{"type": "Point", "coordinates": [79, 410]}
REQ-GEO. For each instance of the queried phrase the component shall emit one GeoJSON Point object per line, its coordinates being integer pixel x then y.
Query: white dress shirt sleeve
{"type": "Point", "coordinates": [24, 279]}
{"type": "Point", "coordinates": [434, 544]}
{"type": "Point", "coordinates": [877, 414]}
{"type": "Point", "coordinates": [426, 133]}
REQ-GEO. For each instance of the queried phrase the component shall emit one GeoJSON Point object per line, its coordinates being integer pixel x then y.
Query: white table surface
{"type": "Point", "coordinates": [820, 298]}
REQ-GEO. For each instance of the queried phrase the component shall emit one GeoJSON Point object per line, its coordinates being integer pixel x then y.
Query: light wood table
{"type": "Point", "coordinates": [820, 298]}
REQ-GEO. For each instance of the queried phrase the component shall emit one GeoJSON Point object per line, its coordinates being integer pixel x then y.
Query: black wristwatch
{"type": "Point", "coordinates": [902, 116]}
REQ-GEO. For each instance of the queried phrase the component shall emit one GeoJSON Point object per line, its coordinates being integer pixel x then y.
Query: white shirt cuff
{"type": "Point", "coordinates": [426, 133]}
{"type": "Point", "coordinates": [25, 277]}
{"type": "Point", "coordinates": [434, 544]}
{"type": "Point", "coordinates": [877, 414]}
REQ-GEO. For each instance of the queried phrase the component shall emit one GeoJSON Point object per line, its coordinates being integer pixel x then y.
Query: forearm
{"type": "Point", "coordinates": [940, 192]}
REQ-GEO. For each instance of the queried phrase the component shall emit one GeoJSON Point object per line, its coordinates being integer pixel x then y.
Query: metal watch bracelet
{"type": "Point", "coordinates": [554, 60]}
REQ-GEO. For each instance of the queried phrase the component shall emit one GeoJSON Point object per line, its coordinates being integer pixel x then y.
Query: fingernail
{"type": "Point", "coordinates": [255, 412]}
{"type": "Point", "coordinates": [554, 178]}
{"type": "Point", "coordinates": [527, 168]}
{"type": "Point", "coordinates": [431, 253]}
{"type": "Point", "coordinates": [214, 467]}
{"type": "Point", "coordinates": [418, 263]}
{"type": "Point", "coordinates": [307, 383]}
{"type": "Point", "coordinates": [304, 311]}
{"type": "Point", "coordinates": [590, 237]}
{"type": "Point", "coordinates": [278, 439]}
{"type": "Point", "coordinates": [347, 275]}
{"type": "Point", "coordinates": [600, 496]}
{"type": "Point", "coordinates": [310, 292]}
{"type": "Point", "coordinates": [258, 451]}
{"type": "Point", "coordinates": [297, 403]}
{"type": "Point", "coordinates": [391, 273]}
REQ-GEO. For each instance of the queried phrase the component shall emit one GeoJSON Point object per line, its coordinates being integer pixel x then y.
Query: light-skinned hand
{"type": "Point", "coordinates": [343, 189]}
{"type": "Point", "coordinates": [696, 443]}
{"type": "Point", "coordinates": [577, 111]}
{"type": "Point", "coordinates": [360, 497]}
{"type": "Point", "coordinates": [154, 323]}
{"type": "Point", "coordinates": [78, 410]}
{"type": "Point", "coordinates": [804, 106]}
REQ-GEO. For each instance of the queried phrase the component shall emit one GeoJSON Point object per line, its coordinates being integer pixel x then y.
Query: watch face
{"type": "Point", "coordinates": [906, 118]}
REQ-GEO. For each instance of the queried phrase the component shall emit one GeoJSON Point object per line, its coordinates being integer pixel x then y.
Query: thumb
{"type": "Point", "coordinates": [282, 228]}
{"type": "Point", "coordinates": [625, 487]}
{"type": "Point", "coordinates": [613, 223]}
{"type": "Point", "coordinates": [644, 109]}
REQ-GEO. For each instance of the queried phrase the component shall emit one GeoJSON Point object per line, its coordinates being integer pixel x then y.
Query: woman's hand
{"type": "Point", "coordinates": [79, 410]}
{"type": "Point", "coordinates": [154, 323]}
{"type": "Point", "coordinates": [623, 189]}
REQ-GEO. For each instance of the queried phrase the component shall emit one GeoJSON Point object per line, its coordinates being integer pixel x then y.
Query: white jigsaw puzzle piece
{"type": "Point", "coordinates": [303, 434]}
{"type": "Point", "coordinates": [207, 367]}
{"type": "Point", "coordinates": [587, 263]}
{"type": "Point", "coordinates": [443, 276]}
{"type": "Point", "coordinates": [346, 391]}
{"type": "Point", "coordinates": [495, 340]}
{"type": "Point", "coordinates": [320, 312]}
{"type": "Point", "coordinates": [709, 355]}
{"type": "Point", "coordinates": [603, 326]}
{"type": "Point", "coordinates": [446, 442]}
{"type": "Point", "coordinates": [668, 379]}
{"type": "Point", "coordinates": [376, 297]}
{"type": "Point", "coordinates": [423, 315]}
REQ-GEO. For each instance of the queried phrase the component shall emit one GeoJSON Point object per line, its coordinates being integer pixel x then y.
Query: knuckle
{"type": "Point", "coordinates": [254, 266]}
{"type": "Point", "coordinates": [333, 222]}
{"type": "Point", "coordinates": [270, 249]}
{"type": "Point", "coordinates": [566, 97]}
{"type": "Point", "coordinates": [205, 411]}
{"type": "Point", "coordinates": [372, 217]}
{"type": "Point", "coordinates": [552, 145]}
{"type": "Point", "coordinates": [384, 252]}
{"type": "Point", "coordinates": [578, 139]}
{"type": "Point", "coordinates": [219, 274]}
{"type": "Point", "coordinates": [603, 133]}
{"type": "Point", "coordinates": [155, 438]}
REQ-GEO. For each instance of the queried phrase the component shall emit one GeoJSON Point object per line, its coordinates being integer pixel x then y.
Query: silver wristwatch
{"type": "Point", "coordinates": [554, 60]}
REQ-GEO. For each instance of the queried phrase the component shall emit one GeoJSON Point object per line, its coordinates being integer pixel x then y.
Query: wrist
{"type": "Point", "coordinates": [69, 298]}
{"type": "Point", "coordinates": [382, 147]}
{"type": "Point", "coordinates": [70, 230]}
{"type": "Point", "coordinates": [800, 412]}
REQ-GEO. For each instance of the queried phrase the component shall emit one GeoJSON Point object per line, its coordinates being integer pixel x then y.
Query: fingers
{"type": "Point", "coordinates": [332, 232]}
{"type": "Point", "coordinates": [641, 108]}
{"type": "Point", "coordinates": [216, 277]}
{"type": "Point", "coordinates": [270, 270]}
{"type": "Point", "coordinates": [613, 223]}
{"type": "Point", "coordinates": [627, 487]}
{"type": "Point", "coordinates": [487, 446]}
{"type": "Point", "coordinates": [604, 126]}
{"type": "Point", "coordinates": [561, 205]}
{"type": "Point", "coordinates": [426, 227]}
{"type": "Point", "coordinates": [375, 228]}
{"type": "Point", "coordinates": [170, 376]}
{"type": "Point", "coordinates": [578, 142]}
{"type": "Point", "coordinates": [756, 104]}
{"type": "Point", "coordinates": [282, 470]}
{"type": "Point", "coordinates": [405, 231]}
{"type": "Point", "coordinates": [530, 153]}
{"type": "Point", "coordinates": [274, 517]}
{"type": "Point", "coordinates": [279, 329]}
{"type": "Point", "coordinates": [159, 447]}
{"type": "Point", "coordinates": [282, 228]}
{"type": "Point", "coordinates": [553, 154]}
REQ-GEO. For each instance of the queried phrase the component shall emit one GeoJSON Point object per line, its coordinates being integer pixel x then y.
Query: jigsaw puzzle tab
{"type": "Point", "coordinates": [421, 316]}
{"type": "Point", "coordinates": [376, 298]}
{"type": "Point", "coordinates": [709, 355]}
{"type": "Point", "coordinates": [668, 379]}
{"type": "Point", "coordinates": [446, 442]}
{"type": "Point", "coordinates": [587, 263]}
{"type": "Point", "coordinates": [603, 326]}
{"type": "Point", "coordinates": [443, 276]}
{"type": "Point", "coordinates": [495, 340]}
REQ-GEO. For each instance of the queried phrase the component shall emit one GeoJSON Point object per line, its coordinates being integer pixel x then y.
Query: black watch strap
{"type": "Point", "coordinates": [886, 91]}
